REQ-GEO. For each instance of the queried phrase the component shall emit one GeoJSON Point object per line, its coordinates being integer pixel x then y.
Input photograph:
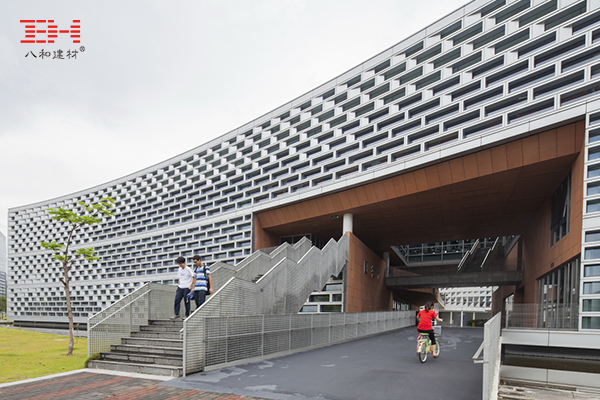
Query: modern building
{"type": "Point", "coordinates": [458, 306]}
{"type": "Point", "coordinates": [3, 264]}
{"type": "Point", "coordinates": [483, 124]}
{"type": "Point", "coordinates": [3, 281]}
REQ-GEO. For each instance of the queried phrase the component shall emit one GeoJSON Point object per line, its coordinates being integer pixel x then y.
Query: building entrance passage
{"type": "Point", "coordinates": [507, 195]}
{"type": "Point", "coordinates": [481, 263]}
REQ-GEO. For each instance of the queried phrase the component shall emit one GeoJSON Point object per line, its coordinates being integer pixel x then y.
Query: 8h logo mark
{"type": "Point", "coordinates": [51, 30]}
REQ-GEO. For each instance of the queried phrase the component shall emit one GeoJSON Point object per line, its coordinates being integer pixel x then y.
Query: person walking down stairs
{"type": "Point", "coordinates": [185, 275]}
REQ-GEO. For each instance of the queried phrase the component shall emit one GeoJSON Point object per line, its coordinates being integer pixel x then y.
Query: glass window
{"type": "Point", "coordinates": [591, 288]}
{"type": "Point", "coordinates": [594, 153]}
{"type": "Point", "coordinates": [559, 211]}
{"type": "Point", "coordinates": [331, 308]}
{"type": "Point", "coordinates": [593, 206]}
{"type": "Point", "coordinates": [593, 171]}
{"type": "Point", "coordinates": [591, 322]}
{"type": "Point", "coordinates": [319, 298]}
{"type": "Point", "coordinates": [591, 305]}
{"type": "Point", "coordinates": [592, 236]}
{"type": "Point", "coordinates": [309, 309]}
{"type": "Point", "coordinates": [558, 290]}
{"type": "Point", "coordinates": [593, 188]}
{"type": "Point", "coordinates": [591, 270]}
{"type": "Point", "coordinates": [337, 287]}
{"type": "Point", "coordinates": [592, 252]}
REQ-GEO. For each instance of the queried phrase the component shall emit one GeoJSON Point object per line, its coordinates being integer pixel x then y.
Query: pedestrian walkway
{"type": "Point", "coordinates": [381, 367]}
{"type": "Point", "coordinates": [88, 385]}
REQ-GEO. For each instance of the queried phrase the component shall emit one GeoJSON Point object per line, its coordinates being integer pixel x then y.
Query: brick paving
{"type": "Point", "coordinates": [94, 386]}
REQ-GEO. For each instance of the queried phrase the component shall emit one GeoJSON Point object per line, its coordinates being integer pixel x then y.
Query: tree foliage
{"type": "Point", "coordinates": [3, 305]}
{"type": "Point", "coordinates": [90, 214]}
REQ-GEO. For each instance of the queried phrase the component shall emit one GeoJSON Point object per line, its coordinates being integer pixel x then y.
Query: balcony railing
{"type": "Point", "coordinates": [535, 316]}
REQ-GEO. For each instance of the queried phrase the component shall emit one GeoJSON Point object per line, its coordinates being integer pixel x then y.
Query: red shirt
{"type": "Point", "coordinates": [425, 318]}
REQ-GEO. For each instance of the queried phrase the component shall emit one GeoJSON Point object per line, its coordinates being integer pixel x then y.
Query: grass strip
{"type": "Point", "coordinates": [25, 354]}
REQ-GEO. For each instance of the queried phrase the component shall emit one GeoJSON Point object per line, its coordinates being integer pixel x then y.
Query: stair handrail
{"type": "Point", "coordinates": [485, 258]}
{"type": "Point", "coordinates": [117, 304]}
{"type": "Point", "coordinates": [467, 254]}
{"type": "Point", "coordinates": [123, 306]}
{"type": "Point", "coordinates": [152, 295]}
{"type": "Point", "coordinates": [402, 255]}
{"type": "Point", "coordinates": [514, 239]}
{"type": "Point", "coordinates": [245, 297]}
{"type": "Point", "coordinates": [251, 261]}
{"type": "Point", "coordinates": [209, 300]}
{"type": "Point", "coordinates": [331, 246]}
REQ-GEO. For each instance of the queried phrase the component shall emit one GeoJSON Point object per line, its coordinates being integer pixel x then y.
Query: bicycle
{"type": "Point", "coordinates": [424, 346]}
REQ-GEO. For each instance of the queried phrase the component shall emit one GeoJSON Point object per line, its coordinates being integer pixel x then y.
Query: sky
{"type": "Point", "coordinates": [153, 79]}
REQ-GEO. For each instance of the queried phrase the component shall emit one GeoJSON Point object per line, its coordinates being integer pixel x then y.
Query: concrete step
{"type": "Point", "coordinates": [157, 335]}
{"type": "Point", "coordinates": [161, 328]}
{"type": "Point", "coordinates": [152, 369]}
{"type": "Point", "coordinates": [153, 342]}
{"type": "Point", "coordinates": [157, 351]}
{"type": "Point", "coordinates": [166, 322]}
{"type": "Point", "coordinates": [142, 359]}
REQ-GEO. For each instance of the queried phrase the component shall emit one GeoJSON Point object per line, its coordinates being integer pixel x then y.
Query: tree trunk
{"type": "Point", "coordinates": [69, 312]}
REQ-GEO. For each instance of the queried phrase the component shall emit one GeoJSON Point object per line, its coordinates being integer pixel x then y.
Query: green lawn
{"type": "Point", "coordinates": [25, 354]}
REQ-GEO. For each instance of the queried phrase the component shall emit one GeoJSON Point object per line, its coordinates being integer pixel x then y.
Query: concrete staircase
{"type": "Point", "coordinates": [157, 349]}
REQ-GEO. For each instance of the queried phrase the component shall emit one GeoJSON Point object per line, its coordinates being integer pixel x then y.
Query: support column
{"type": "Point", "coordinates": [386, 258]}
{"type": "Point", "coordinates": [461, 318]}
{"type": "Point", "coordinates": [347, 225]}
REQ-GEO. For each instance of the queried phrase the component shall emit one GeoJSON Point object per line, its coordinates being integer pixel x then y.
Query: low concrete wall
{"type": "Point", "coordinates": [550, 339]}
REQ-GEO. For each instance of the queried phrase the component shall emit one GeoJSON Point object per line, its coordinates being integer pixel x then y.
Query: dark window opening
{"type": "Point", "coordinates": [559, 211]}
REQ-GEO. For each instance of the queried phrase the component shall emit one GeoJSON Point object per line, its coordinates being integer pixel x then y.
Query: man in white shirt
{"type": "Point", "coordinates": [186, 285]}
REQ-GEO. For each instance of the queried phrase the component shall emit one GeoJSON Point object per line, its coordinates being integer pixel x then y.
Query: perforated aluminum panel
{"type": "Point", "coordinates": [149, 302]}
{"type": "Point", "coordinates": [237, 339]}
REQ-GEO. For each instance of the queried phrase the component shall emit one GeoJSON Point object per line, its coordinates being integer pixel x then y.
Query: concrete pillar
{"type": "Point", "coordinates": [386, 258]}
{"type": "Point", "coordinates": [347, 225]}
{"type": "Point", "coordinates": [461, 318]}
{"type": "Point", "coordinates": [451, 315]}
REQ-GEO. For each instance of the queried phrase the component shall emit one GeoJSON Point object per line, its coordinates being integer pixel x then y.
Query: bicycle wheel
{"type": "Point", "coordinates": [437, 346]}
{"type": "Point", "coordinates": [423, 352]}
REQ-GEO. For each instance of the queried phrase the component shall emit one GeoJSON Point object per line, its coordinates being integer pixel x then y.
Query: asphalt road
{"type": "Point", "coordinates": [382, 367]}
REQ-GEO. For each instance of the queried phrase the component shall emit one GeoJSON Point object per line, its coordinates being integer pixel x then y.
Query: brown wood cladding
{"type": "Point", "coordinates": [365, 292]}
{"type": "Point", "coordinates": [490, 192]}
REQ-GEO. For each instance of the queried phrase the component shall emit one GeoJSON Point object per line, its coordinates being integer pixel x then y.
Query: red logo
{"type": "Point", "coordinates": [50, 30]}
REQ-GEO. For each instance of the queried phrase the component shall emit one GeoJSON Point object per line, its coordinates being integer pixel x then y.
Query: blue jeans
{"type": "Point", "coordinates": [199, 297]}
{"type": "Point", "coordinates": [181, 294]}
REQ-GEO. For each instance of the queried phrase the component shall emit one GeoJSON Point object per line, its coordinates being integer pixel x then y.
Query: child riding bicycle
{"type": "Point", "coordinates": [425, 317]}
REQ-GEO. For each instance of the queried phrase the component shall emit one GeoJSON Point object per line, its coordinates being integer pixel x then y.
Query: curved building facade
{"type": "Point", "coordinates": [487, 75]}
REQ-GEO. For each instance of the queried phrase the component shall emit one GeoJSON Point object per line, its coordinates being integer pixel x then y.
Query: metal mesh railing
{"type": "Point", "coordinates": [491, 348]}
{"type": "Point", "coordinates": [284, 287]}
{"type": "Point", "coordinates": [258, 263]}
{"type": "Point", "coordinates": [536, 316]}
{"type": "Point", "coordinates": [230, 340]}
{"type": "Point", "coordinates": [150, 302]}
{"type": "Point", "coordinates": [282, 290]}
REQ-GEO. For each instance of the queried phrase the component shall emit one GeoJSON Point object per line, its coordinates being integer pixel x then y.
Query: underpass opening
{"type": "Point", "coordinates": [502, 191]}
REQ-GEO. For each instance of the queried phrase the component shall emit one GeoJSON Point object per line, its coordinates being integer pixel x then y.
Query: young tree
{"type": "Point", "coordinates": [3, 306]}
{"type": "Point", "coordinates": [90, 215]}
